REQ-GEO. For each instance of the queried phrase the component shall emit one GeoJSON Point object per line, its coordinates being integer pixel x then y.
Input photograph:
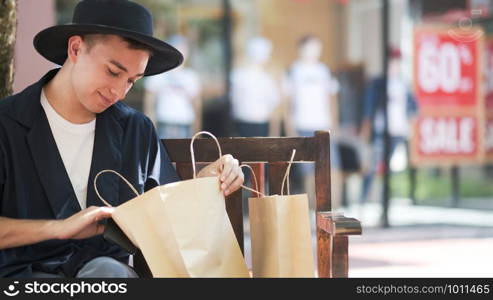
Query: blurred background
{"type": "Point", "coordinates": [403, 85]}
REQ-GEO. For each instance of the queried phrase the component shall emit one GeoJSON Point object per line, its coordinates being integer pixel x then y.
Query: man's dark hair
{"type": "Point", "coordinates": [92, 39]}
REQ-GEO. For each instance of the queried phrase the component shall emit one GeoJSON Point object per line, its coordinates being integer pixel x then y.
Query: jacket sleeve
{"type": "Point", "coordinates": [2, 180]}
{"type": "Point", "coordinates": [3, 175]}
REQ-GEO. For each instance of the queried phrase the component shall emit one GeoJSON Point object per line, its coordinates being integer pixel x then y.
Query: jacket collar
{"type": "Point", "coordinates": [49, 166]}
{"type": "Point", "coordinates": [27, 107]}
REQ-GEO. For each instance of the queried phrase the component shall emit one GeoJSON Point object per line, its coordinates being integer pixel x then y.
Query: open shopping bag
{"type": "Point", "coordinates": [280, 234]}
{"type": "Point", "coordinates": [182, 228]}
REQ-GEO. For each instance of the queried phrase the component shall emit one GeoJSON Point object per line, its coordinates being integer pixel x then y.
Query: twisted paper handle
{"type": "Point", "coordinates": [259, 194]}
{"type": "Point", "coordinates": [115, 172]}
{"type": "Point", "coordinates": [288, 169]}
{"type": "Point", "coordinates": [193, 154]}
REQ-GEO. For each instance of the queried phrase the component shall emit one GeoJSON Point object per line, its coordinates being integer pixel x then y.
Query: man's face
{"type": "Point", "coordinates": [103, 74]}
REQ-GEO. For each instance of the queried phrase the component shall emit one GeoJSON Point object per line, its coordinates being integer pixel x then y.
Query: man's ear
{"type": "Point", "coordinates": [74, 48]}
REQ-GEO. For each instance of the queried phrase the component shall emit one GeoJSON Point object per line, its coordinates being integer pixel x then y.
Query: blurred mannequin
{"type": "Point", "coordinates": [311, 89]}
{"type": "Point", "coordinates": [172, 100]}
{"type": "Point", "coordinates": [255, 94]}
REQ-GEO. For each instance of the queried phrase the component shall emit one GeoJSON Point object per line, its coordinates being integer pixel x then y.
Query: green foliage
{"type": "Point", "coordinates": [436, 184]}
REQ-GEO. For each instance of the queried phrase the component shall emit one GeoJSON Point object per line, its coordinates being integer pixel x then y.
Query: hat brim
{"type": "Point", "coordinates": [52, 43]}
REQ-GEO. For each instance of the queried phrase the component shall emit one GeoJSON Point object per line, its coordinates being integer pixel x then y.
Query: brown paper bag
{"type": "Point", "coordinates": [182, 228]}
{"type": "Point", "coordinates": [280, 234]}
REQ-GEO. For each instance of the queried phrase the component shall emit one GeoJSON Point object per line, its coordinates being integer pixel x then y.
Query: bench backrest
{"type": "Point", "coordinates": [276, 153]}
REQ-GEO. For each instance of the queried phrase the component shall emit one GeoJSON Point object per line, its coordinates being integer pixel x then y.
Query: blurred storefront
{"type": "Point", "coordinates": [32, 15]}
{"type": "Point", "coordinates": [452, 79]}
{"type": "Point", "coordinates": [452, 74]}
{"type": "Point", "coordinates": [350, 30]}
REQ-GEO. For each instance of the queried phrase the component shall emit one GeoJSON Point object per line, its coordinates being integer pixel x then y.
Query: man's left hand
{"type": "Point", "coordinates": [229, 172]}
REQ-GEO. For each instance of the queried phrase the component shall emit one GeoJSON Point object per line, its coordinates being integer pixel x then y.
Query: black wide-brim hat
{"type": "Point", "coordinates": [119, 17]}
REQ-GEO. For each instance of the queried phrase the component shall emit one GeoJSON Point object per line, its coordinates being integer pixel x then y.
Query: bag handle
{"type": "Point", "coordinates": [220, 155]}
{"type": "Point", "coordinates": [259, 194]}
{"type": "Point", "coordinates": [288, 169]}
{"type": "Point", "coordinates": [131, 186]}
{"type": "Point", "coordinates": [193, 154]}
{"type": "Point", "coordinates": [123, 178]}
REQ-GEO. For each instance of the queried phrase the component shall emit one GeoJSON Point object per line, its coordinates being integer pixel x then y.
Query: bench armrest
{"type": "Point", "coordinates": [333, 230]}
{"type": "Point", "coordinates": [337, 224]}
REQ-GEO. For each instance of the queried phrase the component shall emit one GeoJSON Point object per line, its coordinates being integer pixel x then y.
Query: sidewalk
{"type": "Point", "coordinates": [422, 242]}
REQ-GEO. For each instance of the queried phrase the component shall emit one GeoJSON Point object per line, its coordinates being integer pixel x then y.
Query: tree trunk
{"type": "Point", "coordinates": [8, 25]}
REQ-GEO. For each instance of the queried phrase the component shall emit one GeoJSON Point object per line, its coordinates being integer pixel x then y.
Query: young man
{"type": "Point", "coordinates": [57, 134]}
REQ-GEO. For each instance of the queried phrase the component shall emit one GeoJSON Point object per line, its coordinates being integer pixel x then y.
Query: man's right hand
{"type": "Point", "coordinates": [21, 232]}
{"type": "Point", "coordinates": [83, 224]}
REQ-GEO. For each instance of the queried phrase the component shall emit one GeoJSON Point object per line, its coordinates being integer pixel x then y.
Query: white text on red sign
{"type": "Point", "coordinates": [447, 135]}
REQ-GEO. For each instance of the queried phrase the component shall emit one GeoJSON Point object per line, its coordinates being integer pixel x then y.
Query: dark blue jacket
{"type": "Point", "coordinates": [34, 183]}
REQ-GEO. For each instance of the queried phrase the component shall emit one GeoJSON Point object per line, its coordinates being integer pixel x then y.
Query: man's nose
{"type": "Point", "coordinates": [119, 91]}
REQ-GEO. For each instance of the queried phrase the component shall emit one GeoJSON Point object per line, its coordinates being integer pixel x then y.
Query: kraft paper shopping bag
{"type": "Point", "coordinates": [280, 234]}
{"type": "Point", "coordinates": [182, 228]}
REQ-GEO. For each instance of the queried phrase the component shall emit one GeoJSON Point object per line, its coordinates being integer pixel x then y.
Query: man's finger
{"type": "Point", "coordinates": [235, 185]}
{"type": "Point", "coordinates": [231, 177]}
{"type": "Point", "coordinates": [100, 229]}
{"type": "Point", "coordinates": [227, 166]}
{"type": "Point", "coordinates": [106, 212]}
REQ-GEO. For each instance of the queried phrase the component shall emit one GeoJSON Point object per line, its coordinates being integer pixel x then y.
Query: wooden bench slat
{"type": "Point", "coordinates": [178, 149]}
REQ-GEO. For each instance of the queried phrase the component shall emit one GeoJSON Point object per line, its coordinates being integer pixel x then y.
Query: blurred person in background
{"type": "Point", "coordinates": [310, 89]}
{"type": "Point", "coordinates": [172, 100]}
{"type": "Point", "coordinates": [255, 94]}
{"type": "Point", "coordinates": [401, 107]}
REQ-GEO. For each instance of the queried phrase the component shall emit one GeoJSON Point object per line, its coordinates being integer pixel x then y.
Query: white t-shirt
{"type": "Point", "coordinates": [310, 87]}
{"type": "Point", "coordinates": [254, 95]}
{"type": "Point", "coordinates": [397, 108]}
{"type": "Point", "coordinates": [75, 144]}
{"type": "Point", "coordinates": [174, 91]}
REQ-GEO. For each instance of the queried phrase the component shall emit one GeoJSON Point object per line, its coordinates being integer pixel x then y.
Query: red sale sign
{"type": "Point", "coordinates": [447, 135]}
{"type": "Point", "coordinates": [449, 81]}
{"type": "Point", "coordinates": [446, 69]}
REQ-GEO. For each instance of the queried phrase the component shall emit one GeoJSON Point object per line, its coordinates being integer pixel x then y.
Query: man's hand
{"type": "Point", "coordinates": [83, 224]}
{"type": "Point", "coordinates": [21, 232]}
{"type": "Point", "coordinates": [229, 172]}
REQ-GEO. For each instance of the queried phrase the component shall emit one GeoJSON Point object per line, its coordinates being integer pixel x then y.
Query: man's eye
{"type": "Point", "coordinates": [112, 73]}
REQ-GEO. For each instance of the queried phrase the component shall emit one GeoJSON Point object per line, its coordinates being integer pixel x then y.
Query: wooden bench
{"type": "Point", "coordinates": [332, 229]}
